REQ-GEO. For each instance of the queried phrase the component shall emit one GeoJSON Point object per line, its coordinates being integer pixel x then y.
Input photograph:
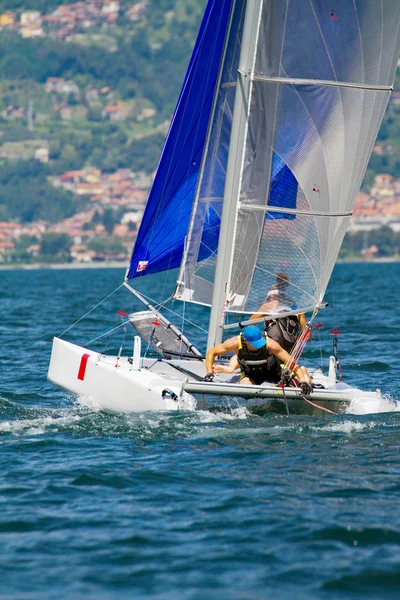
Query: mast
{"type": "Point", "coordinates": [234, 169]}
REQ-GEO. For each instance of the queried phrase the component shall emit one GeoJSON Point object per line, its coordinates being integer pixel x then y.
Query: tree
{"type": "Point", "coordinates": [25, 193]}
{"type": "Point", "coordinates": [109, 219]}
{"type": "Point", "coordinates": [56, 244]}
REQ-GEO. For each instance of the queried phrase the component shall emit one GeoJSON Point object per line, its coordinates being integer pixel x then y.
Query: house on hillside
{"type": "Point", "coordinates": [31, 30]}
{"type": "Point", "coordinates": [110, 10]}
{"type": "Point", "coordinates": [89, 189]}
{"type": "Point", "coordinates": [7, 19]}
{"type": "Point", "coordinates": [13, 112]}
{"type": "Point", "coordinates": [59, 85]}
{"type": "Point", "coordinates": [42, 155]}
{"type": "Point", "coordinates": [114, 113]}
{"type": "Point", "coordinates": [30, 17]}
{"type": "Point", "coordinates": [136, 12]}
{"type": "Point", "coordinates": [383, 185]}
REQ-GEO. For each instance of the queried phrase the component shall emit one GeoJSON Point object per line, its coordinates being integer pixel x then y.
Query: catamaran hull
{"type": "Point", "coordinates": [116, 386]}
{"type": "Point", "coordinates": [112, 385]}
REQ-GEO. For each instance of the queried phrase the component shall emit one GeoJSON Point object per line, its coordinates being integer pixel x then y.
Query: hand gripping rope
{"type": "Point", "coordinates": [287, 373]}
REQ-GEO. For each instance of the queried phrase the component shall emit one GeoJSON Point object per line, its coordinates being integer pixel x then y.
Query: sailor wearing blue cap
{"type": "Point", "coordinates": [259, 357]}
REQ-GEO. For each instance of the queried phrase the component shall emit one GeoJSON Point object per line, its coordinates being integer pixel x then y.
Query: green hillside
{"type": "Point", "coordinates": [135, 65]}
{"type": "Point", "coordinates": [121, 81]}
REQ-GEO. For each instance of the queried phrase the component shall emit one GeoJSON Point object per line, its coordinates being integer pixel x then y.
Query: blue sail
{"type": "Point", "coordinates": [161, 237]}
{"type": "Point", "coordinates": [283, 192]}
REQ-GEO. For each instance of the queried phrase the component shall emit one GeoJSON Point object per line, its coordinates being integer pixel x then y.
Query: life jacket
{"type": "Point", "coordinates": [285, 331]}
{"type": "Point", "coordinates": [259, 365]}
{"type": "Point", "coordinates": [250, 360]}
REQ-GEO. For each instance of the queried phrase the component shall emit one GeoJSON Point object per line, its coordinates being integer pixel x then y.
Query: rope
{"type": "Point", "coordinates": [91, 310]}
{"type": "Point", "coordinates": [286, 402]}
{"type": "Point", "coordinates": [317, 405]}
{"type": "Point", "coordinates": [301, 342]}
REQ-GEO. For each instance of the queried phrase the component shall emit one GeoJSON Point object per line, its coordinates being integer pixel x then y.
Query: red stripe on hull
{"type": "Point", "coordinates": [82, 366]}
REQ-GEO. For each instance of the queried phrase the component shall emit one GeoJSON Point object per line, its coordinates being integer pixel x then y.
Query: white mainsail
{"type": "Point", "coordinates": [300, 108]}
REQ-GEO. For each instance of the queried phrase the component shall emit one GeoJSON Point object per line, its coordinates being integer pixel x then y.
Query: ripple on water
{"type": "Point", "coordinates": [212, 504]}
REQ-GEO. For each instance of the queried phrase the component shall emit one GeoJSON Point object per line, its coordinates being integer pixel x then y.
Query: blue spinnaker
{"type": "Point", "coordinates": [161, 237]}
{"type": "Point", "coordinates": [283, 194]}
{"type": "Point", "coordinates": [283, 189]}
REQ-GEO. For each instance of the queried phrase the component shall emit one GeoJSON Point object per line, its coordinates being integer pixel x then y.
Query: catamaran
{"type": "Point", "coordinates": [266, 152]}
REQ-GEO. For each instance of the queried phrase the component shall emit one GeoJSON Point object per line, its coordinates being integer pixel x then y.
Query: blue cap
{"type": "Point", "coordinates": [253, 336]}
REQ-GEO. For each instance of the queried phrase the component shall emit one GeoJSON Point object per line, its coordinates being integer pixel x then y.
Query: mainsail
{"type": "Point", "coordinates": [303, 102]}
{"type": "Point", "coordinates": [267, 149]}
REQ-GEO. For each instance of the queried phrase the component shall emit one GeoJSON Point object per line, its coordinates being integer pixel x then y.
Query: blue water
{"type": "Point", "coordinates": [196, 505]}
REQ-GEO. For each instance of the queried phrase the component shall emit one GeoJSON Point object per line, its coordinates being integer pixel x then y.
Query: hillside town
{"type": "Point", "coordinates": [94, 134]}
{"type": "Point", "coordinates": [68, 20]}
{"type": "Point", "coordinates": [122, 197]}
{"type": "Point", "coordinates": [378, 208]}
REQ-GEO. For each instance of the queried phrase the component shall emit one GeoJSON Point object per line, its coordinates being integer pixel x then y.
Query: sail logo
{"type": "Point", "coordinates": [142, 265]}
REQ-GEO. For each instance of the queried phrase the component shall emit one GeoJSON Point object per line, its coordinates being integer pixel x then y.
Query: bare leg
{"type": "Point", "coordinates": [246, 381]}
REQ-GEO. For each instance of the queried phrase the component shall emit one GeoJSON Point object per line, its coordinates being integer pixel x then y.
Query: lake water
{"type": "Point", "coordinates": [196, 505]}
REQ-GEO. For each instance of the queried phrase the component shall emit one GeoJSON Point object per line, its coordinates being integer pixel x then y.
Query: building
{"type": "Point", "coordinates": [30, 17]}
{"type": "Point", "coordinates": [7, 19]}
{"type": "Point", "coordinates": [114, 113]}
{"type": "Point", "coordinates": [31, 30]}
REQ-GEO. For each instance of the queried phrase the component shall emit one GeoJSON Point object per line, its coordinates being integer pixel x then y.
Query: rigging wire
{"type": "Point", "coordinates": [122, 344]}
{"type": "Point", "coordinates": [108, 331]}
{"type": "Point", "coordinates": [90, 311]}
{"type": "Point", "coordinates": [162, 305]}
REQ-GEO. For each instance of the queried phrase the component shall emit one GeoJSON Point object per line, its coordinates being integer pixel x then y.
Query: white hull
{"type": "Point", "coordinates": [116, 386]}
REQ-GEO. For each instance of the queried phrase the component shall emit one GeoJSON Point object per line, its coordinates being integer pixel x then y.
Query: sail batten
{"type": "Point", "coordinates": [323, 82]}
{"type": "Point", "coordinates": [289, 211]}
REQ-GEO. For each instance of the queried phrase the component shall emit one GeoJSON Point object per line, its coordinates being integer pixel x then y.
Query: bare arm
{"type": "Point", "coordinates": [265, 308]}
{"type": "Point", "coordinates": [226, 347]}
{"type": "Point", "coordinates": [302, 320]}
{"type": "Point", "coordinates": [277, 350]}
{"type": "Point", "coordinates": [233, 365]}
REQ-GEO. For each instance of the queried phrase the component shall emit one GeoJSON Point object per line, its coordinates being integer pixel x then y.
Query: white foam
{"type": "Point", "coordinates": [238, 413]}
{"type": "Point", "coordinates": [88, 402]}
{"type": "Point", "coordinates": [360, 406]}
{"type": "Point", "coordinates": [334, 426]}
{"type": "Point", "coordinates": [187, 402]}
{"type": "Point", "coordinates": [347, 426]}
{"type": "Point", "coordinates": [37, 426]}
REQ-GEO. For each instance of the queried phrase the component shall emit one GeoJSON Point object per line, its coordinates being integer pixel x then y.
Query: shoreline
{"type": "Point", "coordinates": [67, 266]}
{"type": "Point", "coordinates": [118, 265]}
